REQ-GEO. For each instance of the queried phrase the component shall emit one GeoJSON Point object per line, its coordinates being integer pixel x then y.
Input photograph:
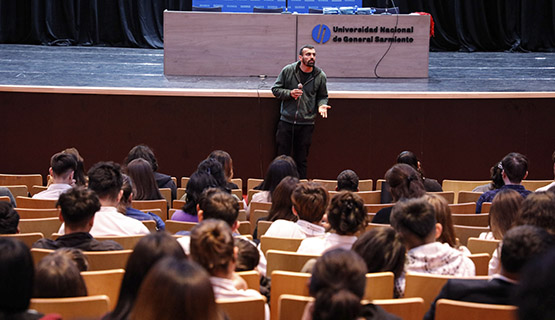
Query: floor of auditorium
{"type": "Point", "coordinates": [30, 65]}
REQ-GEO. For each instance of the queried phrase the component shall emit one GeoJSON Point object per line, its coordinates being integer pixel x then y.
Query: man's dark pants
{"type": "Point", "coordinates": [294, 140]}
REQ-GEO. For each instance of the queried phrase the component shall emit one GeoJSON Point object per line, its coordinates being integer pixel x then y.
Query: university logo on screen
{"type": "Point", "coordinates": [321, 34]}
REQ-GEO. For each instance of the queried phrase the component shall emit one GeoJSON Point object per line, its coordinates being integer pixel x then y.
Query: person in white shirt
{"type": "Point", "coordinates": [347, 216]}
{"type": "Point", "coordinates": [62, 168]}
{"type": "Point", "coordinates": [310, 201]}
{"type": "Point", "coordinates": [552, 184]}
{"type": "Point", "coordinates": [106, 180]}
{"type": "Point", "coordinates": [415, 221]}
{"type": "Point", "coordinates": [212, 246]}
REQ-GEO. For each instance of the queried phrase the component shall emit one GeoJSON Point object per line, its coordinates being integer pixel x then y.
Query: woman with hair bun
{"type": "Point", "coordinates": [337, 284]}
{"type": "Point", "coordinates": [346, 216]}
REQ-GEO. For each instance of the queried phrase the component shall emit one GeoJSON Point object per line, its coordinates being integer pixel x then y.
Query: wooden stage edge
{"type": "Point", "coordinates": [224, 93]}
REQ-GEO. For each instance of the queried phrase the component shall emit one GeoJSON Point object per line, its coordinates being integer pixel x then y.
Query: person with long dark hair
{"type": "Point", "coordinates": [144, 184]}
{"type": "Point", "coordinates": [147, 252]}
{"type": "Point", "coordinates": [198, 182]}
{"type": "Point", "coordinates": [176, 289]}
{"type": "Point", "coordinates": [405, 183]}
{"type": "Point", "coordinates": [227, 165]}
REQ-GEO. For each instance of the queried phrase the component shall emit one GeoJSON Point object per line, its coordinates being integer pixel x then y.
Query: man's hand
{"type": "Point", "coordinates": [296, 93]}
{"type": "Point", "coordinates": [323, 109]}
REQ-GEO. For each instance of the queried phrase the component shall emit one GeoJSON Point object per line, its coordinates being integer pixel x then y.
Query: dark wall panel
{"type": "Point", "coordinates": [455, 139]}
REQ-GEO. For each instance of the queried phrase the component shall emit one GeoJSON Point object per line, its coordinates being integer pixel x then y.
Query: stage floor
{"type": "Point", "coordinates": [108, 67]}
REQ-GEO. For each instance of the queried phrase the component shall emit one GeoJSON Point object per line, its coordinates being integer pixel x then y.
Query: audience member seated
{"type": "Point", "coordinates": [404, 183]}
{"type": "Point", "coordinates": [347, 180]}
{"type": "Point", "coordinates": [346, 216]}
{"type": "Point", "coordinates": [227, 164]}
{"type": "Point", "coordinates": [77, 255]}
{"type": "Point", "coordinates": [148, 251]}
{"type": "Point", "coordinates": [538, 210]}
{"type": "Point", "coordinates": [78, 207]}
{"type": "Point", "coordinates": [9, 219]}
{"type": "Point", "coordinates": [496, 180]}
{"type": "Point", "coordinates": [125, 207]}
{"type": "Point", "coordinates": [520, 245]}
{"type": "Point", "coordinates": [79, 173]}
{"type": "Point", "coordinates": [5, 192]}
{"type": "Point", "coordinates": [212, 246]}
{"type": "Point", "coordinates": [383, 250]}
{"type": "Point", "coordinates": [198, 182]}
{"type": "Point", "coordinates": [176, 289]}
{"type": "Point", "coordinates": [105, 179]}
{"type": "Point", "coordinates": [502, 214]}
{"type": "Point", "coordinates": [247, 255]}
{"type": "Point", "coordinates": [57, 276]}
{"type": "Point", "coordinates": [534, 295]}
{"type": "Point", "coordinates": [443, 217]}
{"type": "Point", "coordinates": [144, 152]}
{"type": "Point", "coordinates": [141, 175]}
{"type": "Point", "coordinates": [281, 203]}
{"type": "Point", "coordinates": [310, 201]}
{"type": "Point", "coordinates": [219, 205]}
{"type": "Point", "coordinates": [514, 168]}
{"type": "Point", "coordinates": [410, 158]}
{"type": "Point", "coordinates": [552, 184]}
{"type": "Point", "coordinates": [281, 167]}
{"type": "Point", "coordinates": [337, 284]}
{"type": "Point", "coordinates": [16, 280]}
{"type": "Point", "coordinates": [62, 168]}
{"type": "Point", "coordinates": [415, 221]}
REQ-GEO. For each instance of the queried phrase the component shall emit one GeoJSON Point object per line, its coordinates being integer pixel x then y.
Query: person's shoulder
{"type": "Point", "coordinates": [45, 243]}
{"type": "Point", "coordinates": [374, 312]}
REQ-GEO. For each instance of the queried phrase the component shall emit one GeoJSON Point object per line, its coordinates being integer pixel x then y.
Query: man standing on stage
{"type": "Point", "coordinates": [302, 88]}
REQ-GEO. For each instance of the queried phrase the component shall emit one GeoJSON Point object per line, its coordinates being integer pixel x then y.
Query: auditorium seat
{"type": "Point", "coordinates": [476, 220]}
{"type": "Point", "coordinates": [104, 282]}
{"type": "Point", "coordinates": [152, 204]}
{"type": "Point", "coordinates": [461, 185]}
{"type": "Point", "coordinates": [369, 197]}
{"type": "Point", "coordinates": [36, 189]}
{"type": "Point", "coordinates": [167, 194]}
{"type": "Point", "coordinates": [18, 191]}
{"type": "Point", "coordinates": [404, 308]}
{"type": "Point", "coordinates": [173, 226]}
{"type": "Point", "coordinates": [463, 208]}
{"type": "Point", "coordinates": [263, 226]}
{"type": "Point", "coordinates": [90, 307]}
{"type": "Point", "coordinates": [252, 278]}
{"type": "Point", "coordinates": [32, 213]}
{"type": "Point", "coordinates": [476, 245]}
{"type": "Point", "coordinates": [373, 208]}
{"type": "Point", "coordinates": [468, 196]}
{"type": "Point", "coordinates": [46, 226]}
{"type": "Point", "coordinates": [252, 308]}
{"type": "Point", "coordinates": [532, 185]}
{"type": "Point", "coordinates": [460, 310]}
{"type": "Point", "coordinates": [127, 242]}
{"type": "Point", "coordinates": [21, 179]}
{"type": "Point", "coordinates": [283, 244]}
{"type": "Point", "coordinates": [25, 202]}
{"type": "Point", "coordinates": [481, 262]}
{"type": "Point", "coordinates": [253, 182]}
{"type": "Point", "coordinates": [27, 238]}
{"type": "Point", "coordinates": [286, 260]}
{"type": "Point", "coordinates": [449, 196]}
{"type": "Point", "coordinates": [98, 260]}
{"type": "Point", "coordinates": [463, 233]}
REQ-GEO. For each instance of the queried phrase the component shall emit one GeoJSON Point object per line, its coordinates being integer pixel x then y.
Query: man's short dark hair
{"type": "Point", "coordinates": [414, 216]}
{"type": "Point", "coordinates": [61, 163]}
{"type": "Point", "coordinates": [522, 244]}
{"type": "Point", "coordinates": [105, 179]}
{"type": "Point", "coordinates": [515, 166]}
{"type": "Point", "coordinates": [347, 180]}
{"type": "Point", "coordinates": [9, 218]}
{"type": "Point", "coordinates": [219, 205]}
{"type": "Point", "coordinates": [78, 206]}
{"type": "Point", "coordinates": [306, 46]}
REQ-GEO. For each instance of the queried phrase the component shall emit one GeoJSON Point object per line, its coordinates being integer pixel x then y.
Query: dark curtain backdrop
{"type": "Point", "coordinates": [460, 25]}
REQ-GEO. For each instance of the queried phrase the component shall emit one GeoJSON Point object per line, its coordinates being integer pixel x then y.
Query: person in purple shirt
{"type": "Point", "coordinates": [197, 183]}
{"type": "Point", "coordinates": [514, 168]}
